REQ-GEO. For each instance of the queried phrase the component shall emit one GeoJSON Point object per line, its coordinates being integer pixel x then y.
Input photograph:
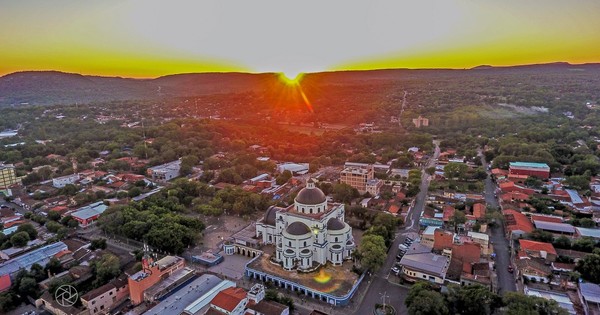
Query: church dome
{"type": "Point", "coordinates": [335, 225]}
{"type": "Point", "coordinates": [271, 215]}
{"type": "Point", "coordinates": [311, 195]}
{"type": "Point", "coordinates": [297, 228]}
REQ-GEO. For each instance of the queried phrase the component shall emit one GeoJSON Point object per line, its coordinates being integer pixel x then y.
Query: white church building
{"type": "Point", "coordinates": [309, 233]}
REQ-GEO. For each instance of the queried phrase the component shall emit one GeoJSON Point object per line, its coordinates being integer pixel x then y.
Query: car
{"type": "Point", "coordinates": [409, 239]}
{"type": "Point", "coordinates": [399, 256]}
{"type": "Point", "coordinates": [511, 269]}
{"type": "Point", "coordinates": [395, 270]}
{"type": "Point", "coordinates": [402, 247]}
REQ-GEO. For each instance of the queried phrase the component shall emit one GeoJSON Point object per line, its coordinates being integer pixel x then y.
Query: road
{"type": "Point", "coordinates": [506, 280]}
{"type": "Point", "coordinates": [379, 281]}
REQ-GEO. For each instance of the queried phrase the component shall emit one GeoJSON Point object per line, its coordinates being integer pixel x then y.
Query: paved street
{"type": "Point", "coordinates": [379, 281]}
{"type": "Point", "coordinates": [506, 280]}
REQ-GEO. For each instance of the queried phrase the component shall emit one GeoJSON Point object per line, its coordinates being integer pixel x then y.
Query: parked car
{"type": "Point", "coordinates": [511, 269]}
{"type": "Point", "coordinates": [396, 270]}
{"type": "Point", "coordinates": [402, 247]}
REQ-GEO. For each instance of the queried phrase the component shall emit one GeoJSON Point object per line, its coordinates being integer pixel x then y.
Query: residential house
{"type": "Point", "coordinates": [534, 249]}
{"type": "Point", "coordinates": [104, 298]}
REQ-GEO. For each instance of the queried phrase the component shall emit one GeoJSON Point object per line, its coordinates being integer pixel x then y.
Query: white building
{"type": "Point", "coordinates": [63, 181]}
{"type": "Point", "coordinates": [309, 233]}
{"type": "Point", "coordinates": [165, 172]}
{"type": "Point", "coordinates": [295, 168]}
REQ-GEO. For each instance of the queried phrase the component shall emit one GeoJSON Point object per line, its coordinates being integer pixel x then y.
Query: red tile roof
{"type": "Point", "coordinates": [393, 209]}
{"type": "Point", "coordinates": [448, 213]}
{"type": "Point", "coordinates": [229, 298]}
{"type": "Point", "coordinates": [533, 246]}
{"type": "Point", "coordinates": [517, 221]}
{"type": "Point", "coordinates": [479, 210]}
{"type": "Point", "coordinates": [5, 282]}
{"type": "Point", "coordinates": [546, 218]}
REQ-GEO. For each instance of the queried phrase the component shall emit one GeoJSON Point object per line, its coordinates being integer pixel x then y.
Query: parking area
{"type": "Point", "coordinates": [232, 267]}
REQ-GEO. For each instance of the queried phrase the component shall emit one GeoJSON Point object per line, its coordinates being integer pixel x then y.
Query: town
{"type": "Point", "coordinates": [184, 207]}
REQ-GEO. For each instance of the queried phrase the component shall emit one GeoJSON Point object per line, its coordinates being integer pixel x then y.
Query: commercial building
{"type": "Point", "coordinates": [590, 293]}
{"type": "Point", "coordinates": [90, 213]}
{"type": "Point", "coordinates": [419, 263]}
{"type": "Point", "coordinates": [8, 176]}
{"type": "Point", "coordinates": [152, 272]}
{"type": "Point", "coordinates": [295, 168]}
{"type": "Point", "coordinates": [40, 256]}
{"type": "Point", "coordinates": [357, 177]}
{"type": "Point", "coordinates": [60, 182]}
{"type": "Point", "coordinates": [540, 170]}
{"type": "Point", "coordinates": [165, 172]}
{"type": "Point", "coordinates": [104, 298]}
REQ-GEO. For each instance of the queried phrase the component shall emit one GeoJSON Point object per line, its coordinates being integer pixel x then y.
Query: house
{"type": "Point", "coordinates": [562, 299]}
{"type": "Point", "coordinates": [231, 301]}
{"type": "Point", "coordinates": [165, 172]}
{"type": "Point", "coordinates": [428, 236]}
{"type": "Point", "coordinates": [533, 270]}
{"type": "Point", "coordinates": [60, 182]}
{"type": "Point", "coordinates": [419, 263]}
{"type": "Point", "coordinates": [479, 273]}
{"type": "Point", "coordinates": [483, 240]}
{"type": "Point", "coordinates": [517, 224]}
{"type": "Point", "coordinates": [479, 211]}
{"type": "Point", "coordinates": [104, 298]}
{"type": "Point", "coordinates": [533, 249]}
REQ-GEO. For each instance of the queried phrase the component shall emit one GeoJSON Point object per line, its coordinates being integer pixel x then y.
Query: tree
{"type": "Point", "coordinates": [31, 231]}
{"type": "Point", "coordinates": [283, 177]}
{"type": "Point", "coordinates": [589, 267]}
{"type": "Point", "coordinates": [540, 236]}
{"type": "Point", "coordinates": [28, 287]}
{"type": "Point", "coordinates": [19, 239]}
{"type": "Point", "coordinates": [99, 243]}
{"type": "Point", "coordinates": [562, 242]}
{"type": "Point", "coordinates": [428, 302]}
{"type": "Point", "coordinates": [53, 215]}
{"type": "Point", "coordinates": [344, 192]}
{"type": "Point", "coordinates": [373, 251]}
{"type": "Point", "coordinates": [472, 300]}
{"type": "Point", "coordinates": [584, 244]}
{"type": "Point", "coordinates": [106, 268]}
{"type": "Point", "coordinates": [53, 226]}
{"type": "Point", "coordinates": [518, 304]}
{"type": "Point", "coordinates": [455, 170]}
{"type": "Point", "coordinates": [430, 170]}
{"type": "Point", "coordinates": [54, 266]}
{"type": "Point", "coordinates": [457, 219]}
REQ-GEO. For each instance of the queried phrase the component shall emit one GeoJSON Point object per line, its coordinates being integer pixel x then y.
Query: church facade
{"type": "Point", "coordinates": [309, 233]}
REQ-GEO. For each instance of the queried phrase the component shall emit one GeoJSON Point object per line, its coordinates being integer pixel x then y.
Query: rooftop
{"type": "Point", "coordinates": [537, 246]}
{"type": "Point", "coordinates": [229, 298]}
{"type": "Point", "coordinates": [554, 227]}
{"type": "Point", "coordinates": [477, 235]}
{"type": "Point", "coordinates": [595, 233]}
{"type": "Point", "coordinates": [529, 164]}
{"type": "Point", "coordinates": [590, 292]}
{"type": "Point", "coordinates": [203, 287]}
{"type": "Point", "coordinates": [562, 299]}
{"type": "Point", "coordinates": [40, 256]}
{"type": "Point", "coordinates": [90, 211]}
{"type": "Point", "coordinates": [427, 262]}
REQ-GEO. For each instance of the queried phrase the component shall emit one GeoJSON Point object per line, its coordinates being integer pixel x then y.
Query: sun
{"type": "Point", "coordinates": [291, 77]}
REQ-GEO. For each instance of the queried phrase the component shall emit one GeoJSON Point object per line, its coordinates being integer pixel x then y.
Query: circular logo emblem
{"type": "Point", "coordinates": [66, 295]}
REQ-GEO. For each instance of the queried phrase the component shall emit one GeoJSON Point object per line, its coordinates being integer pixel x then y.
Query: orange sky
{"type": "Point", "coordinates": [148, 38]}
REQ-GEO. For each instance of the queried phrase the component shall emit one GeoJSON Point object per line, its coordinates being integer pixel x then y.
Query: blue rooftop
{"type": "Point", "coordinates": [38, 256]}
{"type": "Point", "coordinates": [90, 210]}
{"type": "Point", "coordinates": [529, 164]}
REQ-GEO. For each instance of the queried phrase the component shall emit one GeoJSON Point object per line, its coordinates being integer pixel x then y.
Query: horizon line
{"type": "Point", "coordinates": [483, 66]}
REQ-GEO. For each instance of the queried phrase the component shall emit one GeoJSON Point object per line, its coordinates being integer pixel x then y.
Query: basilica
{"type": "Point", "coordinates": [309, 233]}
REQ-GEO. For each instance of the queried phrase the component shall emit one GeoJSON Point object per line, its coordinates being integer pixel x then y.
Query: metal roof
{"type": "Point", "coordinates": [590, 292]}
{"type": "Point", "coordinates": [575, 198]}
{"type": "Point", "coordinates": [555, 227]}
{"type": "Point", "coordinates": [428, 262]}
{"type": "Point", "coordinates": [89, 211]}
{"type": "Point", "coordinates": [38, 256]}
{"type": "Point", "coordinates": [529, 164]}
{"type": "Point", "coordinates": [187, 295]}
{"type": "Point", "coordinates": [595, 233]}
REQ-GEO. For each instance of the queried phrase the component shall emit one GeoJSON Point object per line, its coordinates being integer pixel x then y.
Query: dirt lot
{"type": "Point", "coordinates": [221, 228]}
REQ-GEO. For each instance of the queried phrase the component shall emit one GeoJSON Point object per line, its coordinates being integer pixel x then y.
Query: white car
{"type": "Point", "coordinates": [395, 270]}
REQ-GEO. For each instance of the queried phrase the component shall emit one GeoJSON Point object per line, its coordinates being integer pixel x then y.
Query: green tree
{"type": "Point", "coordinates": [8, 301]}
{"type": "Point", "coordinates": [54, 266]}
{"type": "Point", "coordinates": [562, 242]}
{"type": "Point", "coordinates": [589, 267]}
{"type": "Point", "coordinates": [283, 177]}
{"type": "Point", "coordinates": [28, 287]}
{"type": "Point", "coordinates": [53, 215]}
{"type": "Point", "coordinates": [472, 300]}
{"type": "Point", "coordinates": [455, 170]}
{"type": "Point", "coordinates": [430, 170]}
{"type": "Point", "coordinates": [99, 243]}
{"type": "Point", "coordinates": [428, 303]}
{"type": "Point", "coordinates": [373, 252]}
{"type": "Point", "coordinates": [19, 239]}
{"type": "Point", "coordinates": [457, 219]}
{"type": "Point", "coordinates": [520, 304]}
{"type": "Point", "coordinates": [540, 236]}
{"type": "Point", "coordinates": [53, 226]}
{"type": "Point", "coordinates": [344, 192]}
{"type": "Point", "coordinates": [106, 268]}
{"type": "Point", "coordinates": [31, 231]}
